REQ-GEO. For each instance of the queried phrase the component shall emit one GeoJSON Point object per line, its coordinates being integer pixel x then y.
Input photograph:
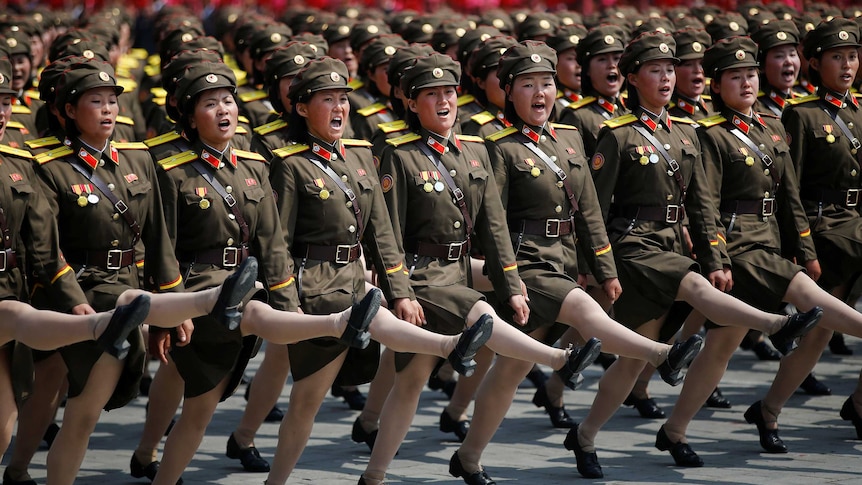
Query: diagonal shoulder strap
{"type": "Point", "coordinates": [351, 196]}
{"type": "Point", "coordinates": [118, 204]}
{"type": "Point", "coordinates": [228, 198]}
{"type": "Point", "coordinates": [556, 169]}
{"type": "Point", "coordinates": [453, 187]}
{"type": "Point", "coordinates": [672, 163]}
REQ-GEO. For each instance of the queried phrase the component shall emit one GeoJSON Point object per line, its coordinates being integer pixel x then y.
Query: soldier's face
{"type": "Point", "coordinates": [21, 66]}
{"type": "Point", "coordinates": [533, 97]}
{"type": "Point", "coordinates": [738, 88]}
{"type": "Point", "coordinates": [493, 91]}
{"type": "Point", "coordinates": [837, 67]}
{"type": "Point", "coordinates": [95, 114]}
{"type": "Point", "coordinates": [654, 81]}
{"type": "Point", "coordinates": [215, 117]}
{"type": "Point", "coordinates": [568, 70]}
{"type": "Point", "coordinates": [436, 108]}
{"type": "Point", "coordinates": [5, 112]}
{"type": "Point", "coordinates": [380, 78]}
{"type": "Point", "coordinates": [326, 114]}
{"type": "Point", "coordinates": [605, 75]}
{"type": "Point", "coordinates": [283, 88]}
{"type": "Point", "coordinates": [781, 66]}
{"type": "Point", "coordinates": [690, 80]}
{"type": "Point", "coordinates": [341, 50]}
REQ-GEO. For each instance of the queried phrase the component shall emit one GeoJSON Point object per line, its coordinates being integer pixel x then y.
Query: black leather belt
{"type": "Point", "coordinates": [111, 259]}
{"type": "Point", "coordinates": [761, 207]}
{"type": "Point", "coordinates": [229, 257]}
{"type": "Point", "coordinates": [8, 260]}
{"type": "Point", "coordinates": [670, 214]}
{"type": "Point", "coordinates": [546, 227]}
{"type": "Point", "coordinates": [847, 198]}
{"type": "Point", "coordinates": [341, 253]}
{"type": "Point", "coordinates": [452, 251]}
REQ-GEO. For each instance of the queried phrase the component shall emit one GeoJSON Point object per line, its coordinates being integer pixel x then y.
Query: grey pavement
{"type": "Point", "coordinates": [527, 450]}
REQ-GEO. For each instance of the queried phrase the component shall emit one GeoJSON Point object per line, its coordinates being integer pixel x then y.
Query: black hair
{"type": "Point", "coordinates": [397, 105]}
{"type": "Point", "coordinates": [273, 94]}
{"type": "Point", "coordinates": [297, 126]}
{"type": "Point", "coordinates": [413, 120]}
{"type": "Point", "coordinates": [717, 101]}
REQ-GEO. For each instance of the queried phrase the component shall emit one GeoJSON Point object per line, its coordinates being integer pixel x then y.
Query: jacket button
{"type": "Point", "coordinates": [230, 241]}
{"type": "Point", "coordinates": [558, 209]}
{"type": "Point", "coordinates": [228, 189]}
{"type": "Point", "coordinates": [351, 228]}
{"type": "Point", "coordinates": [457, 224]}
{"type": "Point", "coordinates": [115, 243]}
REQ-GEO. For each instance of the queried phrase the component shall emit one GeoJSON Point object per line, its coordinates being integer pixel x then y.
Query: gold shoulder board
{"type": "Point", "coordinates": [398, 141]}
{"type": "Point", "coordinates": [474, 139]}
{"type": "Point", "coordinates": [371, 109]}
{"type": "Point", "coordinates": [352, 142]}
{"type": "Point", "coordinates": [804, 99]}
{"type": "Point", "coordinates": [54, 154]}
{"type": "Point", "coordinates": [620, 121]}
{"type": "Point", "coordinates": [162, 139]}
{"type": "Point", "coordinates": [712, 121]}
{"type": "Point", "coordinates": [131, 145]}
{"type": "Point", "coordinates": [502, 133]}
{"type": "Point", "coordinates": [582, 102]}
{"type": "Point", "coordinates": [177, 160]}
{"type": "Point", "coordinates": [48, 141]}
{"type": "Point", "coordinates": [16, 152]}
{"type": "Point", "coordinates": [250, 155]}
{"type": "Point", "coordinates": [290, 150]}
{"type": "Point", "coordinates": [465, 99]}
{"type": "Point", "coordinates": [252, 96]}
{"type": "Point", "coordinates": [393, 126]}
{"type": "Point", "coordinates": [482, 118]}
{"type": "Point", "coordinates": [270, 127]}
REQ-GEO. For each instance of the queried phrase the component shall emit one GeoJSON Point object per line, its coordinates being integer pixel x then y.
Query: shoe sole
{"type": "Point", "coordinates": [244, 282]}
{"type": "Point", "coordinates": [123, 322]}
{"type": "Point", "coordinates": [478, 336]}
{"type": "Point", "coordinates": [367, 308]}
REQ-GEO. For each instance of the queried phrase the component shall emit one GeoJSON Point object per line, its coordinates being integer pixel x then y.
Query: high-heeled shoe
{"type": "Point", "coordinates": [587, 462]}
{"type": "Point", "coordinates": [356, 333]}
{"type": "Point", "coordinates": [249, 457]}
{"type": "Point", "coordinates": [125, 320]}
{"type": "Point", "coordinates": [235, 287]}
{"type": "Point", "coordinates": [468, 345]}
{"type": "Point", "coordinates": [456, 469]}
{"type": "Point", "coordinates": [138, 470]}
{"type": "Point", "coordinates": [448, 424]}
{"type": "Point", "coordinates": [784, 340]}
{"type": "Point", "coordinates": [678, 358]}
{"type": "Point", "coordinates": [359, 435]}
{"type": "Point", "coordinates": [849, 413]}
{"type": "Point", "coordinates": [579, 359]}
{"type": "Point", "coordinates": [682, 453]}
{"type": "Point", "coordinates": [769, 439]}
{"type": "Point", "coordinates": [559, 417]}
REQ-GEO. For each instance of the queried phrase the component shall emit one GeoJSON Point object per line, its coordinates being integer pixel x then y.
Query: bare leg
{"type": "Point", "coordinates": [79, 421]}
{"type": "Point", "coordinates": [47, 330]}
{"type": "Point", "coordinates": [265, 390]}
{"type": "Point", "coordinates": [306, 395]}
{"type": "Point", "coordinates": [169, 310]}
{"type": "Point", "coordinates": [280, 327]}
{"type": "Point", "coordinates": [724, 309]}
{"type": "Point", "coordinates": [465, 389]}
{"type": "Point", "coordinates": [8, 408]}
{"type": "Point", "coordinates": [402, 336]}
{"type": "Point", "coordinates": [166, 393]}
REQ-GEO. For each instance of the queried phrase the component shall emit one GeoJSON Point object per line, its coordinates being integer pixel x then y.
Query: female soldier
{"type": "Point", "coordinates": [483, 70]}
{"type": "Point", "coordinates": [824, 132]}
{"type": "Point", "coordinates": [425, 168]}
{"type": "Point", "coordinates": [565, 42]}
{"type": "Point", "coordinates": [537, 157]}
{"type": "Point", "coordinates": [219, 212]}
{"type": "Point", "coordinates": [650, 167]}
{"type": "Point", "coordinates": [329, 202]}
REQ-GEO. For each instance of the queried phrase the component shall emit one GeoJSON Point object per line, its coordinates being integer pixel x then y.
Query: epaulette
{"type": "Point", "coordinates": [15, 124]}
{"type": "Point", "coordinates": [16, 152]}
{"type": "Point", "coordinates": [760, 94]}
{"type": "Point", "coordinates": [290, 150]}
{"type": "Point", "coordinates": [250, 96]}
{"type": "Point", "coordinates": [175, 161]}
{"type": "Point", "coordinates": [123, 72]}
{"type": "Point", "coordinates": [482, 118]}
{"type": "Point", "coordinates": [159, 92]}
{"type": "Point", "coordinates": [400, 140]}
{"type": "Point", "coordinates": [128, 62]}
{"type": "Point", "coordinates": [138, 53]}
{"type": "Point", "coordinates": [160, 101]}
{"type": "Point", "coordinates": [243, 119]}
{"type": "Point", "coordinates": [128, 85]}
{"type": "Point", "coordinates": [352, 142]}
{"type": "Point", "coordinates": [154, 60]}
{"type": "Point", "coordinates": [162, 139]}
{"type": "Point", "coordinates": [241, 77]}
{"type": "Point", "coordinates": [795, 101]}
{"type": "Point", "coordinates": [125, 120]}
{"type": "Point", "coordinates": [393, 126]}
{"type": "Point", "coordinates": [682, 119]}
{"type": "Point", "coordinates": [371, 109]}
{"type": "Point", "coordinates": [151, 70]}
{"type": "Point", "coordinates": [130, 145]}
{"type": "Point", "coordinates": [620, 121]}
{"type": "Point", "coordinates": [857, 95]}
{"type": "Point", "coordinates": [240, 130]}
{"type": "Point", "coordinates": [764, 114]}
{"type": "Point", "coordinates": [249, 155]}
{"type": "Point", "coordinates": [474, 139]}
{"type": "Point", "coordinates": [712, 121]}
{"type": "Point", "coordinates": [270, 127]}
{"type": "Point", "coordinates": [582, 102]}
{"type": "Point", "coordinates": [561, 126]}
{"type": "Point", "coordinates": [20, 109]}
{"type": "Point", "coordinates": [32, 93]}
{"type": "Point", "coordinates": [54, 154]}
{"type": "Point", "coordinates": [465, 99]}
{"type": "Point", "coordinates": [706, 97]}
{"type": "Point", "coordinates": [48, 141]}
{"type": "Point", "coordinates": [355, 84]}
{"type": "Point", "coordinates": [502, 133]}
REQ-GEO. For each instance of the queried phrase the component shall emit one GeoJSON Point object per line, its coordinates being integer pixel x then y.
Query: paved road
{"type": "Point", "coordinates": [528, 450]}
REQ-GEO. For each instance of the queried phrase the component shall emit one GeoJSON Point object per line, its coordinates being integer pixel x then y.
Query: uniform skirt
{"type": "Point", "coordinates": [839, 250]}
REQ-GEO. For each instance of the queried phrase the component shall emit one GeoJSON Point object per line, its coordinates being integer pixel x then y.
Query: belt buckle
{"type": "Point", "coordinates": [671, 215]}
{"type": "Point", "coordinates": [852, 199]}
{"type": "Point", "coordinates": [768, 207]}
{"type": "Point", "coordinates": [342, 249]}
{"type": "Point", "coordinates": [112, 255]}
{"type": "Point", "coordinates": [552, 228]}
{"type": "Point", "coordinates": [454, 252]}
{"type": "Point", "coordinates": [856, 144]}
{"type": "Point", "coordinates": [5, 259]}
{"type": "Point", "coordinates": [230, 257]}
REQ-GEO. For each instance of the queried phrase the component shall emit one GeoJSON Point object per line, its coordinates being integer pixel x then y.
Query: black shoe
{"type": "Point", "coordinates": [679, 357]}
{"type": "Point", "coordinates": [646, 407]}
{"type": "Point", "coordinates": [51, 434]}
{"type": "Point", "coordinates": [837, 345]}
{"type": "Point", "coordinates": [682, 453]}
{"type": "Point", "coordinates": [588, 462]}
{"type": "Point", "coordinates": [469, 343]}
{"type": "Point", "coordinates": [437, 384]}
{"type": "Point", "coordinates": [7, 480]}
{"type": "Point", "coordinates": [356, 334]}
{"type": "Point", "coordinates": [233, 290]}
{"type": "Point", "coordinates": [765, 352]}
{"type": "Point", "coordinates": [359, 435]}
{"type": "Point", "coordinates": [605, 360]}
{"type": "Point", "coordinates": [784, 340]}
{"type": "Point", "coordinates": [449, 425]}
{"type": "Point", "coordinates": [579, 359]}
{"type": "Point", "coordinates": [126, 318]}
{"type": "Point", "coordinates": [138, 470]}
{"type": "Point", "coordinates": [717, 400]}
{"type": "Point", "coordinates": [769, 439]}
{"type": "Point", "coordinates": [456, 469]}
{"type": "Point", "coordinates": [559, 417]}
{"type": "Point", "coordinates": [249, 457]}
{"type": "Point", "coordinates": [354, 398]}
{"type": "Point", "coordinates": [813, 387]}
{"type": "Point", "coordinates": [275, 415]}
{"type": "Point", "coordinates": [537, 377]}
{"type": "Point", "coordinates": [848, 413]}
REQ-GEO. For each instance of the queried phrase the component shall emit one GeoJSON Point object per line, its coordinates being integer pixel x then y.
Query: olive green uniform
{"type": "Point", "coordinates": [486, 123]}
{"type": "Point", "coordinates": [683, 107]}
{"type": "Point", "coordinates": [588, 114]}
